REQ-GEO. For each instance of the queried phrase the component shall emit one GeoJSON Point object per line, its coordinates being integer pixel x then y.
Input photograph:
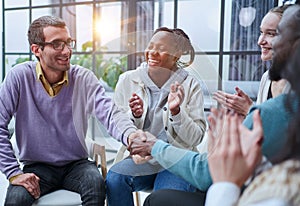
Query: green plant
{"type": "Point", "coordinates": [20, 60]}
{"type": "Point", "coordinates": [86, 60]}
{"type": "Point", "coordinates": [107, 69]}
{"type": "Point", "coordinates": [112, 70]}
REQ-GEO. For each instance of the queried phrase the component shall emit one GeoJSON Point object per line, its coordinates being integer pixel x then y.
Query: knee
{"type": "Point", "coordinates": [18, 195]}
{"type": "Point", "coordinates": [115, 179]}
{"type": "Point", "coordinates": [87, 178]}
{"type": "Point", "coordinates": [95, 181]}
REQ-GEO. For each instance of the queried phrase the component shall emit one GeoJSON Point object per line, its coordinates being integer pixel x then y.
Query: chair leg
{"type": "Point", "coordinates": [137, 198]}
{"type": "Point", "coordinates": [99, 152]}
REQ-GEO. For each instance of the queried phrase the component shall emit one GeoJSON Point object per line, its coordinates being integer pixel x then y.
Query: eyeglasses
{"type": "Point", "coordinates": [60, 45]}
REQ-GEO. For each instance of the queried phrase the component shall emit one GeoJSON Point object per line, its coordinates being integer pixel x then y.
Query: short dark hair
{"type": "Point", "coordinates": [279, 9]}
{"type": "Point", "coordinates": [36, 29]}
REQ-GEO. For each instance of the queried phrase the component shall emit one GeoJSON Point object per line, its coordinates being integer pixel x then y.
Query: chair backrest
{"type": "Point", "coordinates": [99, 152]}
{"type": "Point", "coordinates": [120, 154]}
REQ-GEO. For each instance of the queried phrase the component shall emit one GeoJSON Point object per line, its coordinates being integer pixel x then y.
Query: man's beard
{"type": "Point", "coordinates": [276, 69]}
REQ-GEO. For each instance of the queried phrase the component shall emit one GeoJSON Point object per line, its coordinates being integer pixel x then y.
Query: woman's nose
{"type": "Point", "coordinates": [152, 51]}
{"type": "Point", "coordinates": [261, 40]}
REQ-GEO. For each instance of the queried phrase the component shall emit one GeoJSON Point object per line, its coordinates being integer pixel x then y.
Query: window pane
{"type": "Point", "coordinates": [36, 13]}
{"type": "Point", "coordinates": [19, 3]}
{"type": "Point", "coordinates": [108, 25]}
{"type": "Point", "coordinates": [69, 16]}
{"type": "Point", "coordinates": [84, 27]}
{"type": "Point", "coordinates": [12, 60]}
{"type": "Point", "coordinates": [242, 22]}
{"type": "Point", "coordinates": [244, 71]}
{"type": "Point", "coordinates": [244, 67]}
{"type": "Point", "coordinates": [44, 2]}
{"type": "Point", "coordinates": [81, 0]}
{"type": "Point", "coordinates": [164, 14]}
{"type": "Point", "coordinates": [200, 20]}
{"type": "Point", "coordinates": [205, 70]}
{"type": "Point", "coordinates": [145, 25]}
{"type": "Point", "coordinates": [16, 36]}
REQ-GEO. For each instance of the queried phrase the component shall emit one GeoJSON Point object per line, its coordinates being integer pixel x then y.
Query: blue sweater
{"type": "Point", "coordinates": [49, 129]}
{"type": "Point", "coordinates": [193, 166]}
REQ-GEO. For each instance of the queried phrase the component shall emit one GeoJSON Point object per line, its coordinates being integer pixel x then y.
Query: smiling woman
{"type": "Point", "coordinates": [240, 102]}
{"type": "Point", "coordinates": [163, 99]}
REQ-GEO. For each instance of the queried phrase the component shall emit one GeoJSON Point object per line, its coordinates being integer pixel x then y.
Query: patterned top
{"type": "Point", "coordinates": [282, 181]}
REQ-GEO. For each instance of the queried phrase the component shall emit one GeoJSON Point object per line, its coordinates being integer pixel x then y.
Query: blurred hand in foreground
{"type": "Point", "coordinates": [234, 150]}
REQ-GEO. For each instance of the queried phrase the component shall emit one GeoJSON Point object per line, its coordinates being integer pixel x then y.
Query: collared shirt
{"type": "Point", "coordinates": [54, 89]}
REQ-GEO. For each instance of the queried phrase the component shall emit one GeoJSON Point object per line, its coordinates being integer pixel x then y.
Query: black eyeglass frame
{"type": "Point", "coordinates": [59, 45]}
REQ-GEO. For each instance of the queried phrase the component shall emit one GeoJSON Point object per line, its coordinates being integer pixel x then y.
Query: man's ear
{"type": "Point", "coordinates": [36, 49]}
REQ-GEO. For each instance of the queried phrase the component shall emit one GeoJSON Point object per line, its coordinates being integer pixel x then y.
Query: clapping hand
{"type": "Point", "coordinates": [136, 105]}
{"type": "Point", "coordinates": [234, 150]}
{"type": "Point", "coordinates": [175, 98]}
{"type": "Point", "coordinates": [239, 102]}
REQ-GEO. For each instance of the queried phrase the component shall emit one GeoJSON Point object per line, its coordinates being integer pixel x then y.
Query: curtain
{"type": "Point", "coordinates": [245, 27]}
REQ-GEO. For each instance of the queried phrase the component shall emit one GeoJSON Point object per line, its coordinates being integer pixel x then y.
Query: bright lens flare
{"type": "Point", "coordinates": [106, 31]}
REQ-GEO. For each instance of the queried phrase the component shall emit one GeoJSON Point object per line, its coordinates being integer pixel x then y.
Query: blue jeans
{"type": "Point", "coordinates": [80, 176]}
{"type": "Point", "coordinates": [126, 177]}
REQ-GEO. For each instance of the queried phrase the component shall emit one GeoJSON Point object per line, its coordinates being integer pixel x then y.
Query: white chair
{"type": "Point", "coordinates": [59, 198]}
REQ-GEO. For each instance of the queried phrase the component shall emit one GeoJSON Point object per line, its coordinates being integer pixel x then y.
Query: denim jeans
{"type": "Point", "coordinates": [80, 176]}
{"type": "Point", "coordinates": [126, 177]}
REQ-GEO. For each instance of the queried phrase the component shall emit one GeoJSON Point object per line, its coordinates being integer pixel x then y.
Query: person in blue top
{"type": "Point", "coordinates": [237, 152]}
{"type": "Point", "coordinates": [275, 117]}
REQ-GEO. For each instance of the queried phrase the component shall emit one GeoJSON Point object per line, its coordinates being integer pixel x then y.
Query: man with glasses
{"type": "Point", "coordinates": [52, 101]}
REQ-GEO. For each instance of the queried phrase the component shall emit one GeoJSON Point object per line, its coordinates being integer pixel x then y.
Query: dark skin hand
{"type": "Point", "coordinates": [136, 105]}
{"type": "Point", "coordinates": [142, 146]}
